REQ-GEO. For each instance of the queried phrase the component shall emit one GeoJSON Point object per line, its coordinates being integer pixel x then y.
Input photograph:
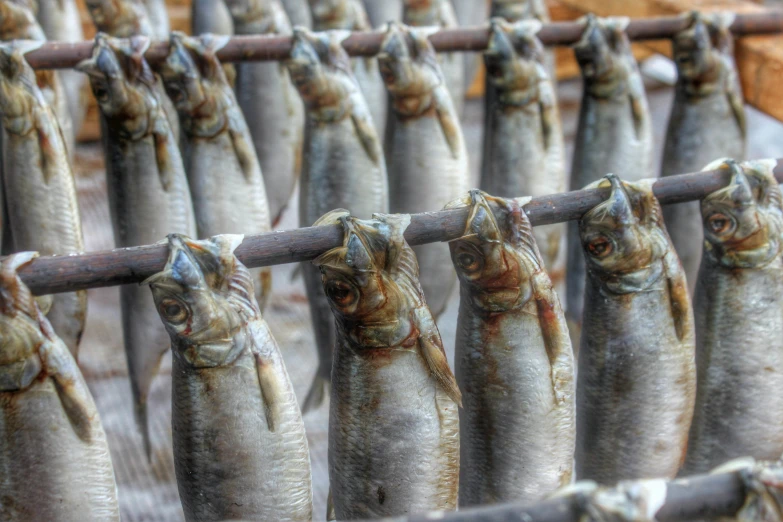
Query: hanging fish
{"type": "Point", "coordinates": [707, 121]}
{"type": "Point", "coordinates": [343, 165]}
{"type": "Point", "coordinates": [614, 132]}
{"type": "Point", "coordinates": [270, 103]}
{"type": "Point", "coordinates": [38, 182]}
{"type": "Point", "coordinates": [298, 12]}
{"type": "Point", "coordinates": [393, 424]}
{"type": "Point", "coordinates": [54, 460]}
{"type": "Point", "coordinates": [637, 379]}
{"type": "Point", "coordinates": [240, 449]}
{"type": "Point", "coordinates": [514, 361]}
{"type": "Point", "coordinates": [470, 13]}
{"type": "Point", "coordinates": [440, 14]}
{"type": "Point", "coordinates": [159, 18]}
{"type": "Point", "coordinates": [739, 321]}
{"type": "Point", "coordinates": [383, 11]}
{"type": "Point", "coordinates": [523, 145]}
{"type": "Point", "coordinates": [425, 149]}
{"type": "Point", "coordinates": [628, 501]}
{"type": "Point", "coordinates": [224, 174]}
{"type": "Point", "coordinates": [148, 191]}
{"type": "Point", "coordinates": [210, 16]}
{"type": "Point", "coordinates": [349, 15]}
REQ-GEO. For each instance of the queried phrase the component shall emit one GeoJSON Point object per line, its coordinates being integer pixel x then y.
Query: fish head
{"type": "Point", "coordinates": [368, 280]}
{"type": "Point", "coordinates": [20, 329]}
{"type": "Point", "coordinates": [623, 238]}
{"type": "Point", "coordinates": [248, 11]}
{"type": "Point", "coordinates": [19, 92]}
{"type": "Point", "coordinates": [496, 257]}
{"type": "Point", "coordinates": [602, 51]}
{"type": "Point", "coordinates": [330, 14]}
{"type": "Point", "coordinates": [743, 220]}
{"type": "Point", "coordinates": [204, 297]}
{"type": "Point", "coordinates": [514, 56]}
{"type": "Point", "coordinates": [408, 63]}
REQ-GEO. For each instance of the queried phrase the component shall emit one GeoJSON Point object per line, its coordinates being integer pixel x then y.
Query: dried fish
{"type": "Point", "coordinates": [470, 13]}
{"type": "Point", "coordinates": [298, 12]}
{"type": "Point", "coordinates": [210, 16]}
{"type": "Point", "coordinates": [383, 11]}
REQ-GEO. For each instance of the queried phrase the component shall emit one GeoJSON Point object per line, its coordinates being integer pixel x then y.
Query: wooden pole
{"type": "Point", "coordinates": [54, 274]}
{"type": "Point", "coordinates": [60, 55]}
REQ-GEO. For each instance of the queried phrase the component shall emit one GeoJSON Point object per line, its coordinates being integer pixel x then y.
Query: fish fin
{"type": "Point", "coordinates": [330, 514]}
{"type": "Point", "coordinates": [367, 136]}
{"type": "Point", "coordinates": [638, 104]}
{"type": "Point", "coordinates": [679, 299]}
{"type": "Point", "coordinates": [161, 135]}
{"type": "Point", "coordinates": [244, 151]}
{"type": "Point", "coordinates": [548, 109]}
{"type": "Point", "coordinates": [318, 392]}
{"type": "Point", "coordinates": [738, 109]}
{"type": "Point", "coordinates": [271, 390]}
{"type": "Point", "coordinates": [448, 123]}
{"type": "Point", "coordinates": [431, 347]}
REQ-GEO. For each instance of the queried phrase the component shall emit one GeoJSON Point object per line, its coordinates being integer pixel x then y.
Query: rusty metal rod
{"type": "Point", "coordinates": [61, 55]}
{"type": "Point", "coordinates": [54, 274]}
{"type": "Point", "coordinates": [702, 497]}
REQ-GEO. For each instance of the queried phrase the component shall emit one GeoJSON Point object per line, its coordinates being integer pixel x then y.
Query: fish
{"type": "Point", "coordinates": [159, 18]}
{"type": "Point", "coordinates": [61, 22]}
{"type": "Point", "coordinates": [440, 14]}
{"type": "Point", "coordinates": [637, 375]}
{"type": "Point", "coordinates": [738, 307]}
{"type": "Point", "coordinates": [298, 12]}
{"type": "Point", "coordinates": [426, 155]}
{"type": "Point", "coordinates": [614, 133]}
{"type": "Point", "coordinates": [707, 121]}
{"type": "Point", "coordinates": [514, 362]}
{"type": "Point", "coordinates": [148, 191]}
{"type": "Point", "coordinates": [38, 181]}
{"type": "Point", "coordinates": [53, 452]}
{"type": "Point", "coordinates": [224, 174]}
{"type": "Point", "coordinates": [343, 166]}
{"type": "Point", "coordinates": [393, 420]}
{"type": "Point", "coordinates": [349, 15]}
{"type": "Point", "coordinates": [240, 449]}
{"type": "Point", "coordinates": [270, 103]}
{"type": "Point", "coordinates": [383, 11]}
{"type": "Point", "coordinates": [628, 501]}
{"type": "Point", "coordinates": [470, 13]}
{"type": "Point", "coordinates": [210, 16]}
{"type": "Point", "coordinates": [523, 147]}
{"type": "Point", "coordinates": [762, 494]}
{"type": "Point", "coordinates": [125, 19]}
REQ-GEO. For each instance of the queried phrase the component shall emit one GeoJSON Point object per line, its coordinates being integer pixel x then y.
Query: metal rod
{"type": "Point", "coordinates": [702, 497]}
{"type": "Point", "coordinates": [60, 55]}
{"type": "Point", "coordinates": [54, 274]}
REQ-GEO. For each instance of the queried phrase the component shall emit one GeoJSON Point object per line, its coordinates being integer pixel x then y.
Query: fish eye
{"type": "Point", "coordinates": [340, 292]}
{"type": "Point", "coordinates": [599, 246]}
{"type": "Point", "coordinates": [172, 311]}
{"type": "Point", "coordinates": [468, 261]}
{"type": "Point", "coordinates": [719, 223]}
{"type": "Point", "coordinates": [101, 91]}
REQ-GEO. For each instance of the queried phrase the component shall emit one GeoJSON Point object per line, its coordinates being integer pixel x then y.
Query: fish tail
{"type": "Point", "coordinates": [319, 389]}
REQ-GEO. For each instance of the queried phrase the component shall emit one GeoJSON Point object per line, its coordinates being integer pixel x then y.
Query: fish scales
{"type": "Point", "coordinates": [637, 376]}
{"type": "Point", "coordinates": [739, 346]}
{"type": "Point", "coordinates": [343, 165]}
{"type": "Point", "coordinates": [524, 140]}
{"type": "Point", "coordinates": [614, 134]}
{"type": "Point", "coordinates": [38, 183]}
{"type": "Point", "coordinates": [393, 425]}
{"type": "Point", "coordinates": [54, 456]}
{"type": "Point", "coordinates": [425, 149]}
{"type": "Point", "coordinates": [707, 121]}
{"type": "Point", "coordinates": [240, 449]}
{"type": "Point", "coordinates": [224, 174]}
{"type": "Point", "coordinates": [272, 108]}
{"type": "Point", "coordinates": [514, 361]}
{"type": "Point", "coordinates": [147, 186]}
{"type": "Point", "coordinates": [210, 16]}
{"type": "Point", "coordinates": [349, 15]}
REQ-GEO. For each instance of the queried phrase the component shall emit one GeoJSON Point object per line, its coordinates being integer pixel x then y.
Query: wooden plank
{"type": "Point", "coordinates": [759, 58]}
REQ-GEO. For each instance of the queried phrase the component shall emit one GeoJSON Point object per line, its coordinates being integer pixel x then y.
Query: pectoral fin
{"type": "Point", "coordinates": [431, 348]}
{"type": "Point", "coordinates": [678, 298]}
{"type": "Point", "coordinates": [330, 514]}
{"type": "Point", "coordinates": [271, 390]}
{"type": "Point", "coordinates": [367, 135]}
{"type": "Point", "coordinates": [557, 340]}
{"type": "Point", "coordinates": [449, 125]}
{"type": "Point", "coordinates": [738, 109]}
{"type": "Point", "coordinates": [244, 151]}
{"type": "Point", "coordinates": [163, 155]}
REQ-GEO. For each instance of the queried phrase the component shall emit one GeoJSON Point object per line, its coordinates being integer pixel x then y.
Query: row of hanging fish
{"type": "Point", "coordinates": [516, 422]}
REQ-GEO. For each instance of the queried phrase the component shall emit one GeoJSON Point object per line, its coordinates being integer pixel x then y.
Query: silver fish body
{"type": "Point", "coordinates": [270, 103]}
{"type": "Point", "coordinates": [614, 134]}
{"type": "Point", "coordinates": [39, 185]}
{"type": "Point", "coordinates": [148, 191]}
{"type": "Point", "coordinates": [707, 122]}
{"type": "Point", "coordinates": [54, 456]}
{"type": "Point", "coordinates": [343, 165]}
{"type": "Point", "coordinates": [350, 15]}
{"type": "Point", "coordinates": [637, 375]}
{"type": "Point", "coordinates": [440, 14]}
{"type": "Point", "coordinates": [298, 12]}
{"type": "Point", "coordinates": [425, 149]}
{"type": "Point", "coordinates": [159, 18]}
{"type": "Point", "coordinates": [514, 361]}
{"type": "Point", "coordinates": [470, 13]}
{"type": "Point", "coordinates": [240, 450]}
{"type": "Point", "coordinates": [383, 11]}
{"type": "Point", "coordinates": [393, 424]}
{"type": "Point", "coordinates": [739, 322]}
{"type": "Point", "coordinates": [224, 175]}
{"type": "Point", "coordinates": [523, 145]}
{"type": "Point", "coordinates": [210, 16]}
